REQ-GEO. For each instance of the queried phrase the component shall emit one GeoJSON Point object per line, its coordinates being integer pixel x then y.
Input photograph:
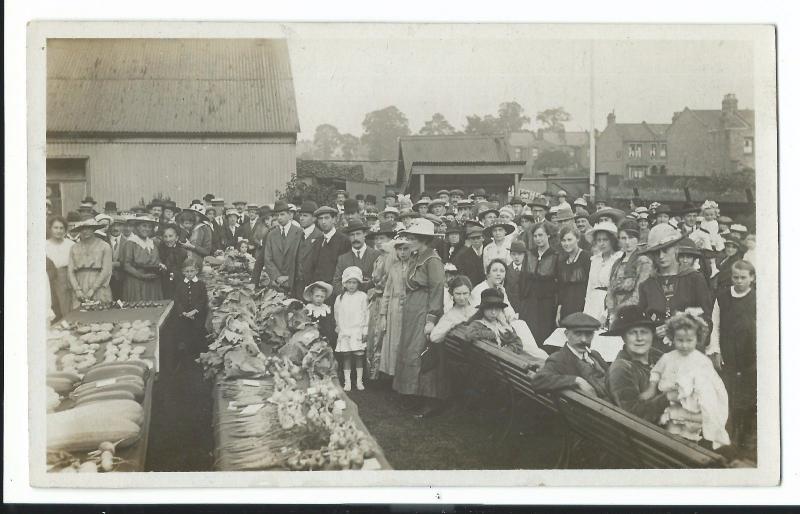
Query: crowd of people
{"type": "Point", "coordinates": [386, 286]}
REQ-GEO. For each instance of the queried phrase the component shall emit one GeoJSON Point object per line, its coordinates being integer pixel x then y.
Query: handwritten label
{"type": "Point", "coordinates": [252, 409]}
{"type": "Point", "coordinates": [106, 382]}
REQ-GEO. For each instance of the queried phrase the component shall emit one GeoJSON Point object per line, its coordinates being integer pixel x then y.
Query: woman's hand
{"type": "Point", "coordinates": [90, 294]}
{"type": "Point", "coordinates": [79, 294]}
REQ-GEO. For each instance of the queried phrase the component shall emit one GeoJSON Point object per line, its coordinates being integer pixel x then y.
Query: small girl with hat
{"type": "Point", "coordinates": [316, 293]}
{"type": "Point", "coordinates": [352, 322]}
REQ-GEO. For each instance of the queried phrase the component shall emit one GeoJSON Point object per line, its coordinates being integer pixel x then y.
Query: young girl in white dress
{"type": "Point", "coordinates": [698, 401]}
{"type": "Point", "coordinates": [352, 321]}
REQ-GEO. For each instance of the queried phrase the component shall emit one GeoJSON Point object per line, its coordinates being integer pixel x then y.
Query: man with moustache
{"type": "Point", "coordinates": [575, 365]}
{"type": "Point", "coordinates": [360, 255]}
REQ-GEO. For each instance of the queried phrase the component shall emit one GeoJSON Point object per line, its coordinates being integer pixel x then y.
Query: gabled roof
{"type": "Point", "coordinates": [170, 86]}
{"type": "Point", "coordinates": [449, 149]}
{"type": "Point", "coordinates": [713, 118]}
{"type": "Point", "coordinates": [640, 131]}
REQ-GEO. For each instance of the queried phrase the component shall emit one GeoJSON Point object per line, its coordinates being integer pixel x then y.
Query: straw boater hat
{"type": "Point", "coordinates": [491, 298]}
{"type": "Point", "coordinates": [615, 214]}
{"type": "Point", "coordinates": [314, 285]}
{"type": "Point", "coordinates": [352, 272]}
{"type": "Point", "coordinates": [736, 227]}
{"type": "Point", "coordinates": [442, 192]}
{"type": "Point", "coordinates": [604, 226]}
{"type": "Point", "coordinates": [505, 226]}
{"type": "Point", "coordinates": [628, 317]}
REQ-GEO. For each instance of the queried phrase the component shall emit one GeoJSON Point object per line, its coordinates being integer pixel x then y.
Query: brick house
{"type": "Point", "coordinates": [710, 142]}
{"type": "Point", "coordinates": [632, 150]}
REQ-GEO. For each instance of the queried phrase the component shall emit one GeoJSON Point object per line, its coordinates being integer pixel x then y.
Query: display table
{"type": "Point", "coordinates": [134, 456]}
{"type": "Point", "coordinates": [156, 315]}
{"type": "Point", "coordinates": [224, 442]}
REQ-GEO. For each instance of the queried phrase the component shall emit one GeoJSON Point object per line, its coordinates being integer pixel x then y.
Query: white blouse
{"type": "Point", "coordinates": [58, 252]}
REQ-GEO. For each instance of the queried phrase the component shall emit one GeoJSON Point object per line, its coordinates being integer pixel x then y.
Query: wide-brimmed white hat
{"type": "Point", "coordinates": [392, 210]}
{"type": "Point", "coordinates": [421, 227]}
{"type": "Point", "coordinates": [318, 284]}
{"type": "Point", "coordinates": [352, 272]}
{"type": "Point", "coordinates": [603, 226]}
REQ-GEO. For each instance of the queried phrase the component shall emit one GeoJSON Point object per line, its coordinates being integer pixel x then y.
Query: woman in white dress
{"type": "Point", "coordinates": [604, 240]}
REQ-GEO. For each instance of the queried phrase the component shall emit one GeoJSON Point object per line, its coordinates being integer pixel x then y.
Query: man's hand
{"type": "Point", "coordinates": [428, 328]}
{"type": "Point", "coordinates": [585, 386]}
{"type": "Point", "coordinates": [716, 358]}
{"type": "Point", "coordinates": [282, 280]}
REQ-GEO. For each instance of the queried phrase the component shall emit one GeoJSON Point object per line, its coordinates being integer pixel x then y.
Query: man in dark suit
{"type": "Point", "coordinates": [278, 252]}
{"type": "Point", "coordinates": [325, 252]}
{"type": "Point", "coordinates": [116, 240]}
{"type": "Point", "coordinates": [469, 259]}
{"type": "Point", "coordinates": [359, 255]}
{"type": "Point", "coordinates": [308, 222]}
{"type": "Point", "coordinates": [575, 366]}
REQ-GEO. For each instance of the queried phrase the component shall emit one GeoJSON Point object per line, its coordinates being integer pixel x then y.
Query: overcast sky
{"type": "Point", "coordinates": [338, 81]}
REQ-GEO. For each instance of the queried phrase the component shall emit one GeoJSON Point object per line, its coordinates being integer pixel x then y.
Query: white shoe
{"type": "Point", "coordinates": [347, 387]}
{"type": "Point", "coordinates": [359, 386]}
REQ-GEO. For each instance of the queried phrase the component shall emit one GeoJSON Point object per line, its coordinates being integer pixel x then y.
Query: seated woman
{"type": "Point", "coordinates": [461, 311]}
{"type": "Point", "coordinates": [629, 374]}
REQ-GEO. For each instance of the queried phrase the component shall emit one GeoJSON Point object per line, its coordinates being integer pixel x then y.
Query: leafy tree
{"type": "Point", "coordinates": [437, 126]}
{"type": "Point", "coordinates": [477, 125]}
{"type": "Point", "coordinates": [326, 141]}
{"type": "Point", "coordinates": [321, 194]}
{"type": "Point", "coordinates": [349, 147]}
{"type": "Point", "coordinates": [554, 118]}
{"type": "Point", "coordinates": [381, 130]}
{"type": "Point", "coordinates": [552, 159]}
{"type": "Point", "coordinates": [511, 117]}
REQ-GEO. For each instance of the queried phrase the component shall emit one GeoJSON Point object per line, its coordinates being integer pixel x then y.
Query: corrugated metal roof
{"type": "Point", "coordinates": [213, 86]}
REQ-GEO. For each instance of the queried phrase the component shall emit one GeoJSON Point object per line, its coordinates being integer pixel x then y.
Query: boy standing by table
{"type": "Point", "coordinates": [191, 307]}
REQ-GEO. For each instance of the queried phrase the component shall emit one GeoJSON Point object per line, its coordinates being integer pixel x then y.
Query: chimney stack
{"type": "Point", "coordinates": [729, 104]}
{"type": "Point", "coordinates": [611, 118]}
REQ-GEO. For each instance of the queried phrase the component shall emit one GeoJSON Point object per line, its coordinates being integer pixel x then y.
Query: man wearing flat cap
{"type": "Point", "coordinates": [278, 252]}
{"type": "Point", "coordinates": [325, 251]}
{"type": "Point", "coordinates": [575, 365]}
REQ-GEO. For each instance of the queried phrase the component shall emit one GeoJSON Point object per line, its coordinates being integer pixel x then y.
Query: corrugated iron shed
{"type": "Point", "coordinates": [170, 86]}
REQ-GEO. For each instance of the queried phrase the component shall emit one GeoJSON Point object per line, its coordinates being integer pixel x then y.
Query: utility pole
{"type": "Point", "coordinates": [592, 157]}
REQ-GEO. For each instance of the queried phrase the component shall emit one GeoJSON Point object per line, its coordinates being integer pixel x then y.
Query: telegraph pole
{"type": "Point", "coordinates": [592, 157]}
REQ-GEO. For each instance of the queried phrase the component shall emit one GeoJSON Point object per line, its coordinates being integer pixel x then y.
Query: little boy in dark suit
{"type": "Point", "coordinates": [191, 307]}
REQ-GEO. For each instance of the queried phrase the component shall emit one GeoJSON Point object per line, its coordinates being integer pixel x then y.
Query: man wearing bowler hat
{"type": "Point", "coordinates": [110, 208]}
{"type": "Point", "coordinates": [575, 365]}
{"type": "Point", "coordinates": [278, 252]}
{"type": "Point", "coordinates": [360, 255]}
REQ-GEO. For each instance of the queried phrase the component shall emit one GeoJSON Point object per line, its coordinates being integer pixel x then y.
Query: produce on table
{"type": "Point", "coordinates": [83, 428]}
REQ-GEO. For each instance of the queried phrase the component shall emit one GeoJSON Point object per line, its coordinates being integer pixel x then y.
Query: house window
{"type": "Point", "coordinates": [663, 152]}
{"type": "Point", "coordinates": [653, 151]}
{"type": "Point", "coordinates": [517, 154]}
{"type": "Point", "coordinates": [748, 145]}
{"type": "Point", "coordinates": [637, 171]}
{"type": "Point", "coordinates": [635, 151]}
{"type": "Point", "coordinates": [534, 153]}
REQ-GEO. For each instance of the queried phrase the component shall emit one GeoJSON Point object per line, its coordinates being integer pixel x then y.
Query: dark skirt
{"type": "Point", "coordinates": [541, 318]}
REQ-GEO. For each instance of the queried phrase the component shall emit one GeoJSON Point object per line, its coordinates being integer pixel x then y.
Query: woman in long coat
{"type": "Point", "coordinates": [628, 272]}
{"type": "Point", "coordinates": [57, 248]}
{"type": "Point", "coordinates": [140, 261]}
{"type": "Point", "coordinates": [572, 273]}
{"type": "Point", "coordinates": [423, 306]}
{"type": "Point", "coordinates": [375, 332]}
{"type": "Point", "coordinates": [89, 268]}
{"type": "Point", "coordinates": [542, 265]}
{"type": "Point", "coordinates": [391, 309]}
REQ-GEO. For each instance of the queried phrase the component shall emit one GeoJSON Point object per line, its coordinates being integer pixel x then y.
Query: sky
{"type": "Point", "coordinates": [338, 81]}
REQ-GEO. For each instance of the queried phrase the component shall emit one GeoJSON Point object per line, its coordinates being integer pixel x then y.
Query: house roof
{"type": "Point", "coordinates": [640, 131]}
{"type": "Point", "coordinates": [522, 138]}
{"type": "Point", "coordinates": [713, 118]}
{"type": "Point", "coordinates": [449, 149]}
{"type": "Point", "coordinates": [170, 86]}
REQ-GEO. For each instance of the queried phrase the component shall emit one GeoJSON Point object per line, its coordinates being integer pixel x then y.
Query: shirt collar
{"type": "Point", "coordinates": [575, 352]}
{"type": "Point", "coordinates": [194, 280]}
{"type": "Point", "coordinates": [329, 235]}
{"type": "Point", "coordinates": [739, 295]}
{"type": "Point", "coordinates": [309, 230]}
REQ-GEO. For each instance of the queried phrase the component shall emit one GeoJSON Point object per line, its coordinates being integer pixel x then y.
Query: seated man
{"type": "Point", "coordinates": [575, 366]}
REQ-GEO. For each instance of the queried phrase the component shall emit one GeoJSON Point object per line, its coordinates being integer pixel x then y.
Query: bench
{"type": "Point", "coordinates": [633, 440]}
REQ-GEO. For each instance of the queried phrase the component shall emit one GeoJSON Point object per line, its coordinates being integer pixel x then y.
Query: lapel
{"type": "Point", "coordinates": [291, 235]}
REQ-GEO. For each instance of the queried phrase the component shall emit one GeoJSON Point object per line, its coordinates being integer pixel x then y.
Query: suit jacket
{"type": "Point", "coordinates": [117, 273]}
{"type": "Point", "coordinates": [321, 262]}
{"type": "Point", "coordinates": [303, 251]}
{"type": "Point", "coordinates": [258, 233]}
{"type": "Point", "coordinates": [562, 367]}
{"type": "Point", "coordinates": [278, 255]}
{"type": "Point", "coordinates": [447, 257]}
{"type": "Point", "coordinates": [216, 234]}
{"type": "Point", "coordinates": [470, 264]}
{"type": "Point", "coordinates": [229, 237]}
{"type": "Point", "coordinates": [366, 264]}
{"type": "Point", "coordinates": [191, 296]}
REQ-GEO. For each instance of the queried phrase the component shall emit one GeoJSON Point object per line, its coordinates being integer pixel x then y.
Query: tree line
{"type": "Point", "coordinates": [381, 129]}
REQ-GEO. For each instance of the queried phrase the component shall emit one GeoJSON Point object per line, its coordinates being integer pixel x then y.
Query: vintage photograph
{"type": "Point", "coordinates": [407, 248]}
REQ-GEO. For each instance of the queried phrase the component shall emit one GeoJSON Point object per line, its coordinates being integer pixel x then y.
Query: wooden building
{"type": "Point", "coordinates": [128, 119]}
